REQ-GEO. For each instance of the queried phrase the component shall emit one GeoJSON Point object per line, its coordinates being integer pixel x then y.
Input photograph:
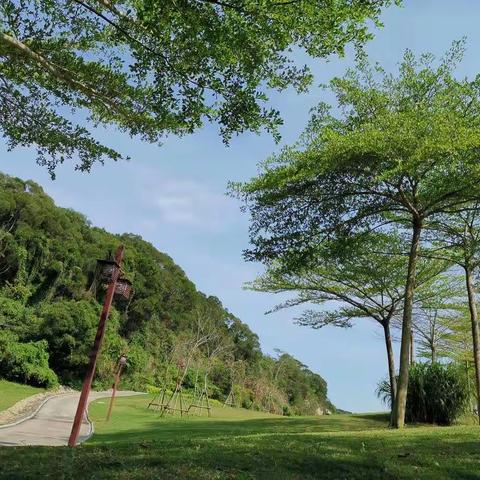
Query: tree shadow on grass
{"type": "Point", "coordinates": [382, 419]}
{"type": "Point", "coordinates": [167, 428]}
{"type": "Point", "coordinates": [295, 448]}
{"type": "Point", "coordinates": [262, 460]}
{"type": "Point", "coordinates": [276, 456]}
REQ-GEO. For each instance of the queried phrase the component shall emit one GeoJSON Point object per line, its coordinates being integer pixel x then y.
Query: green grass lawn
{"type": "Point", "coordinates": [239, 444]}
{"type": "Point", "coordinates": [11, 393]}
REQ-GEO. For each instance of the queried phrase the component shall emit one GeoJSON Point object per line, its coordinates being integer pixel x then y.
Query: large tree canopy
{"type": "Point", "coordinates": [154, 68]}
{"type": "Point", "coordinates": [396, 148]}
{"type": "Point", "coordinates": [401, 150]}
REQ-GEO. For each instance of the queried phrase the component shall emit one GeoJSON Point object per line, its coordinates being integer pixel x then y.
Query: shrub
{"type": "Point", "coordinates": [17, 318]}
{"type": "Point", "coordinates": [25, 362]}
{"type": "Point", "coordinates": [384, 392]}
{"type": "Point", "coordinates": [437, 393]}
{"type": "Point", "coordinates": [286, 411]}
{"type": "Point", "coordinates": [153, 389]}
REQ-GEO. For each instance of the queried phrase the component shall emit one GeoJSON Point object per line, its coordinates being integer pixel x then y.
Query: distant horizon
{"type": "Point", "coordinates": [174, 197]}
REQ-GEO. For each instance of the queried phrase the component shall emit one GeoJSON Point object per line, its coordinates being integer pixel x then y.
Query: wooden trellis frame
{"type": "Point", "coordinates": [230, 400]}
{"type": "Point", "coordinates": [237, 377]}
{"type": "Point", "coordinates": [208, 337]}
{"type": "Point", "coordinates": [163, 404]}
{"type": "Point", "coordinates": [202, 402]}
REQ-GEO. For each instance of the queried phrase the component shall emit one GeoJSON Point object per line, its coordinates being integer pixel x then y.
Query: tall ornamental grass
{"type": "Point", "coordinates": [437, 393]}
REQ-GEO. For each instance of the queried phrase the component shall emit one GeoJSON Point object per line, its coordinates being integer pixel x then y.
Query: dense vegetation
{"type": "Point", "coordinates": [50, 301]}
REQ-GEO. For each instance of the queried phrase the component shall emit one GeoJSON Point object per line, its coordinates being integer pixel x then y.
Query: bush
{"type": "Point", "coordinates": [436, 393]}
{"type": "Point", "coordinates": [25, 362]}
{"type": "Point", "coordinates": [286, 412]}
{"type": "Point", "coordinates": [153, 389]}
{"type": "Point", "coordinates": [384, 392]}
{"type": "Point", "coordinates": [17, 318]}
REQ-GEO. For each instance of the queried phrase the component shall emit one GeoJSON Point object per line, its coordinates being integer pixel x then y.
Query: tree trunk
{"type": "Point", "coordinates": [391, 367]}
{"type": "Point", "coordinates": [412, 350]}
{"type": "Point", "coordinates": [472, 305]}
{"type": "Point", "coordinates": [434, 354]}
{"type": "Point", "coordinates": [469, 386]}
{"type": "Point", "coordinates": [402, 385]}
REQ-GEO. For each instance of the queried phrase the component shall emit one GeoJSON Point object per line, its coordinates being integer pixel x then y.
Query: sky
{"type": "Point", "coordinates": [174, 197]}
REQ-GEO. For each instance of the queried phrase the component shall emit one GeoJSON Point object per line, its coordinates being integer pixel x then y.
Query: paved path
{"type": "Point", "coordinates": [51, 425]}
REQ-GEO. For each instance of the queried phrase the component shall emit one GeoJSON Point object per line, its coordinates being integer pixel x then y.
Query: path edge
{"type": "Point", "coordinates": [31, 415]}
{"type": "Point", "coordinates": [89, 421]}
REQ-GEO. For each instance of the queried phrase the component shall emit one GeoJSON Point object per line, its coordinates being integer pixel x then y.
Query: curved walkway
{"type": "Point", "coordinates": [51, 424]}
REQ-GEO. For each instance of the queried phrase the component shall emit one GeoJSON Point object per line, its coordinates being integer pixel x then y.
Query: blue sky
{"type": "Point", "coordinates": [174, 196]}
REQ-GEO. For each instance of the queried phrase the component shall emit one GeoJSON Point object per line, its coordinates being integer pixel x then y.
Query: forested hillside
{"type": "Point", "coordinates": [50, 299]}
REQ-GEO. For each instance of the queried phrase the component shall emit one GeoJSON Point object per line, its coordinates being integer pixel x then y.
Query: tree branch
{"type": "Point", "coordinates": [60, 73]}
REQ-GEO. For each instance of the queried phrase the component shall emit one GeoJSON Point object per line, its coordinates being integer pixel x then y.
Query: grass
{"type": "Point", "coordinates": [238, 444]}
{"type": "Point", "coordinates": [11, 393]}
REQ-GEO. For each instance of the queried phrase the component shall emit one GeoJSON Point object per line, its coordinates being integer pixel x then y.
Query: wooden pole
{"type": "Point", "coordinates": [121, 363]}
{"type": "Point", "coordinates": [87, 383]}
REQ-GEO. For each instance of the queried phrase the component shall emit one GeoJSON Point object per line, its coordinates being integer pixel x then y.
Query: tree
{"type": "Point", "coordinates": [69, 328]}
{"type": "Point", "coordinates": [402, 150]}
{"type": "Point", "coordinates": [458, 347]}
{"type": "Point", "coordinates": [352, 279]}
{"type": "Point", "coordinates": [458, 239]}
{"type": "Point", "coordinates": [435, 310]}
{"type": "Point", "coordinates": [431, 331]}
{"type": "Point", "coordinates": [154, 68]}
{"type": "Point", "coordinates": [246, 343]}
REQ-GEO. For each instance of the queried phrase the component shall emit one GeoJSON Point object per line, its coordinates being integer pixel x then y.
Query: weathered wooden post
{"type": "Point", "coordinates": [121, 363]}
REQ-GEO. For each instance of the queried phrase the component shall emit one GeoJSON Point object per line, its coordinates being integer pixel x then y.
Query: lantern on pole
{"type": "Point", "coordinates": [123, 288]}
{"type": "Point", "coordinates": [106, 269]}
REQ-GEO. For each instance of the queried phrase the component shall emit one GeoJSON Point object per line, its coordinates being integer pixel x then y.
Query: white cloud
{"type": "Point", "coordinates": [187, 203]}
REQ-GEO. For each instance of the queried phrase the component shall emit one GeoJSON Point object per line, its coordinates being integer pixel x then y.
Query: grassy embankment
{"type": "Point", "coordinates": [11, 393]}
{"type": "Point", "coordinates": [239, 444]}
